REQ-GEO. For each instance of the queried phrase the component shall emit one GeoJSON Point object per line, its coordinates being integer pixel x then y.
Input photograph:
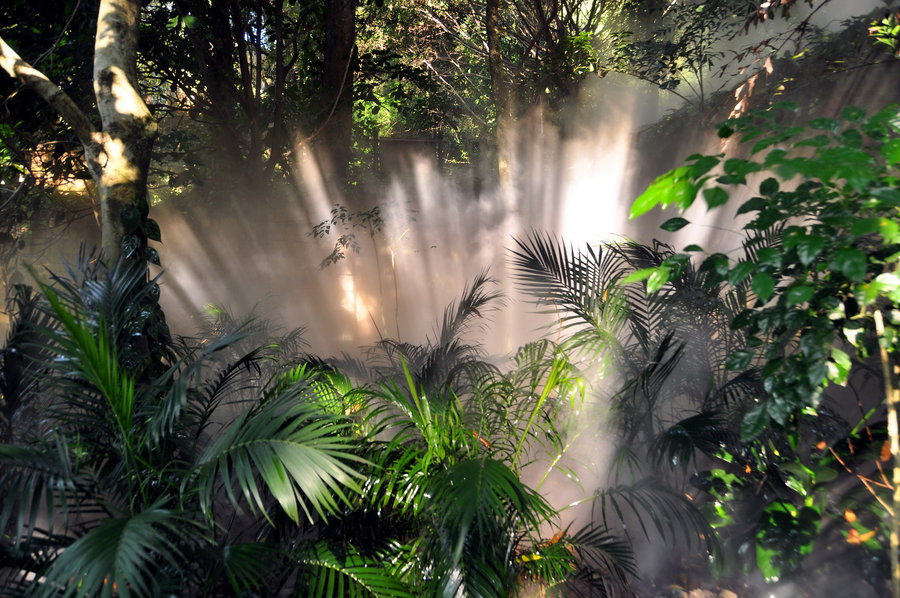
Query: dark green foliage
{"type": "Point", "coordinates": [822, 249]}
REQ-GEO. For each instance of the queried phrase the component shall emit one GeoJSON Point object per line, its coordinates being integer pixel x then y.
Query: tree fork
{"type": "Point", "coordinates": [118, 153]}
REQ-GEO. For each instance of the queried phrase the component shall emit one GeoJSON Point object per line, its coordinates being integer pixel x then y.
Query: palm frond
{"type": "Point", "coordinates": [121, 556]}
{"type": "Point", "coordinates": [672, 515]}
{"type": "Point", "coordinates": [289, 448]}
{"type": "Point", "coordinates": [582, 284]}
{"type": "Point", "coordinates": [348, 574]}
{"type": "Point", "coordinates": [475, 498]}
{"type": "Point", "coordinates": [704, 432]}
{"type": "Point", "coordinates": [37, 482]}
{"type": "Point", "coordinates": [21, 359]}
{"type": "Point", "coordinates": [249, 567]}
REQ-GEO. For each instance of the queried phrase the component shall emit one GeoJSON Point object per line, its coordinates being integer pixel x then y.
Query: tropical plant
{"type": "Point", "coordinates": [674, 408]}
{"type": "Point", "coordinates": [457, 435]}
{"type": "Point", "coordinates": [137, 484]}
{"type": "Point", "coordinates": [824, 285]}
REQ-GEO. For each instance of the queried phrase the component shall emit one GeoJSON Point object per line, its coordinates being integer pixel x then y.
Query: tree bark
{"type": "Point", "coordinates": [117, 154]}
{"type": "Point", "coordinates": [340, 49]}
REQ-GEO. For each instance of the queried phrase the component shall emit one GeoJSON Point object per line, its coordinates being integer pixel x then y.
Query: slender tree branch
{"type": "Point", "coordinates": [51, 93]}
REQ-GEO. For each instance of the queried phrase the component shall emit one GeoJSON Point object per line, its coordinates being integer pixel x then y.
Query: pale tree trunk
{"type": "Point", "coordinates": [118, 153]}
{"type": "Point", "coordinates": [889, 371]}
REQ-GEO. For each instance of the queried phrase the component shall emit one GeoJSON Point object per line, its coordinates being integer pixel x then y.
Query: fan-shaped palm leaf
{"type": "Point", "coordinates": [704, 432]}
{"type": "Point", "coordinates": [583, 284]}
{"type": "Point", "coordinates": [119, 557]}
{"type": "Point", "coordinates": [477, 498]}
{"type": "Point", "coordinates": [673, 516]}
{"type": "Point", "coordinates": [327, 574]}
{"type": "Point", "coordinates": [290, 448]}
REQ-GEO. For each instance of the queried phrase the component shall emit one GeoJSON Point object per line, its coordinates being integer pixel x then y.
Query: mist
{"type": "Point", "coordinates": [402, 244]}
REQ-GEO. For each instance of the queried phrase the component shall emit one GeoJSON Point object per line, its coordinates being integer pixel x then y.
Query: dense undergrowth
{"type": "Point", "coordinates": [235, 462]}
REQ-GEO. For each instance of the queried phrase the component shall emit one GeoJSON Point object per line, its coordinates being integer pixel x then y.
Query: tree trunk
{"type": "Point", "coordinates": [503, 128]}
{"type": "Point", "coordinates": [118, 153]}
{"type": "Point", "coordinates": [340, 41]}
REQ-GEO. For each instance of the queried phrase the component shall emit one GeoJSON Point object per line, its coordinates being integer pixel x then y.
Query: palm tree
{"type": "Point", "coordinates": [136, 483]}
{"type": "Point", "coordinates": [664, 354]}
{"type": "Point", "coordinates": [453, 436]}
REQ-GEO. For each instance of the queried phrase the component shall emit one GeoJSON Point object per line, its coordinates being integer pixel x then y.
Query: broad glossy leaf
{"type": "Point", "coordinates": [891, 151]}
{"type": "Point", "coordinates": [754, 422]}
{"type": "Point", "coordinates": [674, 224]}
{"type": "Point", "coordinates": [657, 279]}
{"type": "Point", "coordinates": [850, 262]}
{"type": "Point", "coordinates": [639, 275]}
{"type": "Point", "coordinates": [769, 186]}
{"type": "Point", "coordinates": [763, 286]}
{"type": "Point", "coordinates": [740, 271]}
{"type": "Point", "coordinates": [739, 360]}
{"type": "Point", "coordinates": [853, 114]}
{"type": "Point", "coordinates": [769, 256]}
{"type": "Point", "coordinates": [825, 124]}
{"type": "Point", "coordinates": [809, 247]}
{"type": "Point", "coordinates": [798, 294]}
{"type": "Point", "coordinates": [839, 366]}
{"type": "Point", "coordinates": [150, 228]}
{"type": "Point", "coordinates": [671, 187]}
{"type": "Point", "coordinates": [715, 197]}
{"type": "Point", "coordinates": [702, 165]}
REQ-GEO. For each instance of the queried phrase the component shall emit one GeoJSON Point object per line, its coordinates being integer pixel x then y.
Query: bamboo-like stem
{"type": "Point", "coordinates": [892, 397]}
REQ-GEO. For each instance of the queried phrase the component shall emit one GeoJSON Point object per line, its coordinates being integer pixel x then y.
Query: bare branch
{"type": "Point", "coordinates": [51, 93]}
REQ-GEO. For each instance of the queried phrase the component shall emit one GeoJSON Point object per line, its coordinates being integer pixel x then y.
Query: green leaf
{"type": "Point", "coordinates": [850, 262]}
{"type": "Point", "coordinates": [683, 194]}
{"type": "Point", "coordinates": [798, 294]}
{"type": "Point", "coordinates": [825, 124]}
{"type": "Point", "coordinates": [809, 247]}
{"type": "Point", "coordinates": [891, 151]}
{"type": "Point", "coordinates": [657, 279]}
{"type": "Point", "coordinates": [671, 187]}
{"type": "Point", "coordinates": [740, 167]}
{"type": "Point", "coordinates": [788, 105]}
{"type": "Point", "coordinates": [290, 448]}
{"type": "Point", "coordinates": [124, 553]}
{"type": "Point", "coordinates": [346, 572]}
{"type": "Point", "coordinates": [769, 186]}
{"type": "Point", "coordinates": [853, 114]}
{"type": "Point", "coordinates": [763, 285]}
{"type": "Point", "coordinates": [702, 165]}
{"type": "Point", "coordinates": [754, 204]}
{"type": "Point", "coordinates": [769, 256]}
{"type": "Point", "coordinates": [739, 360]}
{"type": "Point", "coordinates": [692, 248]}
{"type": "Point", "coordinates": [739, 272]}
{"type": "Point", "coordinates": [754, 423]}
{"type": "Point", "coordinates": [674, 224]}
{"type": "Point", "coordinates": [639, 275]}
{"type": "Point", "coordinates": [817, 141]}
{"type": "Point", "coordinates": [839, 366]}
{"type": "Point", "coordinates": [715, 197]}
{"type": "Point", "coordinates": [150, 228]}
{"type": "Point", "coordinates": [852, 138]}
{"type": "Point", "coordinates": [864, 226]}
